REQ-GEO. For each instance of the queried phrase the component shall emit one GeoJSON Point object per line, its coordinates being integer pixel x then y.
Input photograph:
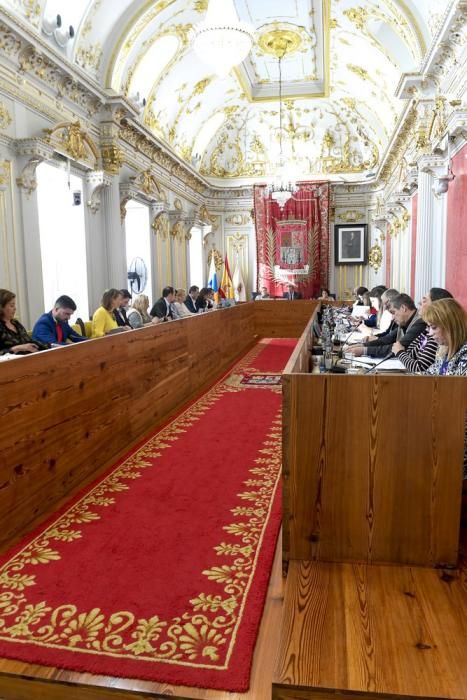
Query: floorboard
{"type": "Point", "coordinates": [372, 632]}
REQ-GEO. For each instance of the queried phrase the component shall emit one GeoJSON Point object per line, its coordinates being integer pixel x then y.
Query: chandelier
{"type": "Point", "coordinates": [282, 188]}
{"type": "Point", "coordinates": [221, 41]}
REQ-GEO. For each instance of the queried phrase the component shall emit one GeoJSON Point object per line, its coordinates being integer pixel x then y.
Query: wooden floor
{"type": "Point", "coordinates": [20, 681]}
{"type": "Point", "coordinates": [363, 631]}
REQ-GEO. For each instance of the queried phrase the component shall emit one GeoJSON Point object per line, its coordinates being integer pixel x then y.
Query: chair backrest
{"type": "Point", "coordinates": [83, 327]}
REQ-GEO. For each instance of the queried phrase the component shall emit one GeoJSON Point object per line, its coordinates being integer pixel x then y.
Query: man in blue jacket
{"type": "Point", "coordinates": [53, 327]}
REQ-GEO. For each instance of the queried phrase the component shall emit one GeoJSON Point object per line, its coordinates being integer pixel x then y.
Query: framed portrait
{"type": "Point", "coordinates": [351, 244]}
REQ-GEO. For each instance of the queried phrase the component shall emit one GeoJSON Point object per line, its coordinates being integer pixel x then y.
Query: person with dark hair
{"type": "Point", "coordinates": [324, 294]}
{"type": "Point", "coordinates": [103, 320]}
{"type": "Point", "coordinates": [120, 311]}
{"type": "Point", "coordinates": [409, 327]}
{"type": "Point", "coordinates": [192, 296]}
{"type": "Point", "coordinates": [291, 292]}
{"type": "Point", "coordinates": [162, 308]}
{"type": "Point", "coordinates": [358, 293]}
{"type": "Point", "coordinates": [421, 353]}
{"type": "Point", "coordinates": [374, 302]}
{"type": "Point", "coordinates": [53, 327]}
{"type": "Point", "coordinates": [14, 338]}
{"type": "Point", "coordinates": [203, 302]}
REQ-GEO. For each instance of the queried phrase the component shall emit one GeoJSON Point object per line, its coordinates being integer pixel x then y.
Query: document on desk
{"type": "Point", "coordinates": [392, 364]}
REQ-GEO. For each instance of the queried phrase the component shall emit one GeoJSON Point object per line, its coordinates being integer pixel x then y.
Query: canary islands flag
{"type": "Point", "coordinates": [212, 281]}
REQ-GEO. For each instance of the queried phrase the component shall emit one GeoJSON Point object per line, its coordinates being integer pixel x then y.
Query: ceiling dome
{"type": "Point", "coordinates": [339, 77]}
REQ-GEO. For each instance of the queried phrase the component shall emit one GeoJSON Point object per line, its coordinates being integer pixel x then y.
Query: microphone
{"type": "Point", "coordinates": [388, 357]}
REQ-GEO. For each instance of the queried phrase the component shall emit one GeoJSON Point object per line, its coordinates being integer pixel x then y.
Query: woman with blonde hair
{"type": "Point", "coordinates": [447, 324]}
{"type": "Point", "coordinates": [138, 314]}
{"type": "Point", "coordinates": [179, 308]}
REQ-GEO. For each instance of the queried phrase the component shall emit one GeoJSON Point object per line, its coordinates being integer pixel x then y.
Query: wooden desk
{"type": "Point", "coordinates": [372, 466]}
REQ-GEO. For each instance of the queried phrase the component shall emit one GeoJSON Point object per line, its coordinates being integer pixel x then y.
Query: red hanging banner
{"type": "Point", "coordinates": [292, 242]}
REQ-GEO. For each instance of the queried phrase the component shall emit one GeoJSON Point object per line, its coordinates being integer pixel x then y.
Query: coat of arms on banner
{"type": "Point", "coordinates": [292, 247]}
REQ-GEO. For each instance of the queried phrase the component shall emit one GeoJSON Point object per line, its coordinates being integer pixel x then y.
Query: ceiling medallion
{"type": "Point", "coordinates": [279, 42]}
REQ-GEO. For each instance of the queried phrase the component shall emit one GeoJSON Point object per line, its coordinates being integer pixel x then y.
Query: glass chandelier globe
{"type": "Point", "coordinates": [221, 41]}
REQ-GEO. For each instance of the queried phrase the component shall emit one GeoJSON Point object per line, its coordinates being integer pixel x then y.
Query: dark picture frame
{"type": "Point", "coordinates": [351, 244]}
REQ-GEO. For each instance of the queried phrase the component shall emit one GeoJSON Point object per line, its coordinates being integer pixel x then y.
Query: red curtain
{"type": "Point", "coordinates": [309, 209]}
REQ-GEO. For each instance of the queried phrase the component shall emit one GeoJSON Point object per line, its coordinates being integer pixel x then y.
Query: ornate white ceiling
{"type": "Point", "coordinates": [339, 78]}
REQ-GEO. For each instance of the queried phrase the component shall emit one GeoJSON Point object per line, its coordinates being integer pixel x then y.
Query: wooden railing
{"type": "Point", "coordinates": [67, 414]}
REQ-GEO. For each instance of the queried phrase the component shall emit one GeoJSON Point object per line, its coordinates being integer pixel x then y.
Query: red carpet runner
{"type": "Point", "coordinates": [159, 571]}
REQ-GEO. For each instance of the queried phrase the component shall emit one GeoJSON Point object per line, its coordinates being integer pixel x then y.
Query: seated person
{"type": "Point", "coordinates": [162, 309]}
{"type": "Point", "coordinates": [138, 314]}
{"type": "Point", "coordinates": [103, 320]}
{"type": "Point", "coordinates": [373, 300]}
{"type": "Point", "coordinates": [447, 324]}
{"type": "Point", "coordinates": [358, 293]}
{"type": "Point", "coordinates": [178, 307]}
{"type": "Point", "coordinates": [291, 293]}
{"type": "Point", "coordinates": [422, 351]}
{"type": "Point", "coordinates": [53, 327]}
{"type": "Point", "coordinates": [13, 336]}
{"type": "Point", "coordinates": [190, 301]}
{"type": "Point", "coordinates": [409, 327]}
{"type": "Point", "coordinates": [263, 294]}
{"type": "Point", "coordinates": [204, 302]}
{"type": "Point", "coordinates": [120, 311]}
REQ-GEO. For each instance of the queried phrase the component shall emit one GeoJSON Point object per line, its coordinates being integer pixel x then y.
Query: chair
{"type": "Point", "coordinates": [83, 327]}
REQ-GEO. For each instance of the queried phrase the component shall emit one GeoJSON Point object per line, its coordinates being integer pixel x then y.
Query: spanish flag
{"type": "Point", "coordinates": [226, 290]}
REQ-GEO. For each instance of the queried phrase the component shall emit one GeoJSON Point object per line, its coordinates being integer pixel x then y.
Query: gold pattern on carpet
{"type": "Point", "coordinates": [204, 635]}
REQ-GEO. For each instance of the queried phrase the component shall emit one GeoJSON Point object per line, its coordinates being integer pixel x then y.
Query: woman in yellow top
{"type": "Point", "coordinates": [103, 320]}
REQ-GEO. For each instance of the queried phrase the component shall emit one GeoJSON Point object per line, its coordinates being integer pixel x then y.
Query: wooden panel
{"type": "Point", "coordinates": [373, 467]}
{"type": "Point", "coordinates": [281, 318]}
{"type": "Point", "coordinates": [372, 631]}
{"type": "Point", "coordinates": [67, 413]}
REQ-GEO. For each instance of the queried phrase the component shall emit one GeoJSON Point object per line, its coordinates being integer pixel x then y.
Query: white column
{"type": "Point", "coordinates": [424, 261]}
{"type": "Point", "coordinates": [96, 247]}
{"type": "Point", "coordinates": [114, 233]}
{"type": "Point", "coordinates": [438, 278]}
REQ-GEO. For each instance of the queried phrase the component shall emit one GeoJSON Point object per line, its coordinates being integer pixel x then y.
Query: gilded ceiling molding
{"type": "Point", "coordinates": [180, 31]}
{"type": "Point", "coordinates": [143, 143]}
{"type": "Point", "coordinates": [129, 37]}
{"type": "Point", "coordinates": [59, 79]}
{"type": "Point", "coordinates": [69, 137]}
